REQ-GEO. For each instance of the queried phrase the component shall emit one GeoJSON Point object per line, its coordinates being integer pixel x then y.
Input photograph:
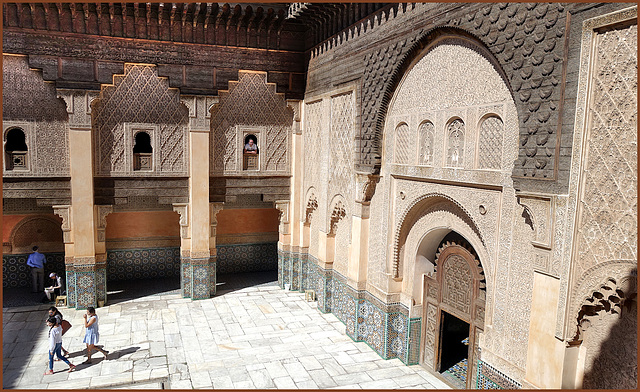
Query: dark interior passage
{"type": "Point", "coordinates": [454, 349]}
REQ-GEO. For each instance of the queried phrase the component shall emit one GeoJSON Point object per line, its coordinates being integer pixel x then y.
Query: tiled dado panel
{"type": "Point", "coordinates": [234, 258]}
{"type": "Point", "coordinates": [150, 263]}
{"type": "Point", "coordinates": [15, 272]}
{"type": "Point", "coordinates": [165, 262]}
{"type": "Point", "coordinates": [86, 285]}
{"type": "Point", "coordinates": [198, 277]}
{"type": "Point", "coordinates": [384, 327]}
{"type": "Point", "coordinates": [491, 378]}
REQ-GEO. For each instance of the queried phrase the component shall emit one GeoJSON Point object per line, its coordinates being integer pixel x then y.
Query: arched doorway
{"type": "Point", "coordinates": [454, 308]}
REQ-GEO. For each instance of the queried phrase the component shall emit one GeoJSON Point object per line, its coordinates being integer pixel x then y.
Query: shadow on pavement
{"type": "Point", "coordinates": [124, 290]}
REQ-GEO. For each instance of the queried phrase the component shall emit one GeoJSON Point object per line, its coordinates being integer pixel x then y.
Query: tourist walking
{"type": "Point", "coordinates": [92, 335]}
{"type": "Point", "coordinates": [55, 345]}
{"type": "Point", "coordinates": [36, 261]}
{"type": "Point", "coordinates": [54, 312]}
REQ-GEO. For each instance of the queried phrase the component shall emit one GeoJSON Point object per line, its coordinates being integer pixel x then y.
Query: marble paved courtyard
{"type": "Point", "coordinates": [256, 337]}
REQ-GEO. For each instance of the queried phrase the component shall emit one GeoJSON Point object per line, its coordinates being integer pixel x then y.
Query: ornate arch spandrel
{"type": "Point", "coordinates": [419, 207]}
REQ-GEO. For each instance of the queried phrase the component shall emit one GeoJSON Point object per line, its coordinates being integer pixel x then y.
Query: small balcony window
{"type": "Point", "coordinates": [251, 153]}
{"type": "Point", "coordinates": [142, 152]}
{"type": "Point", "coordinates": [16, 150]}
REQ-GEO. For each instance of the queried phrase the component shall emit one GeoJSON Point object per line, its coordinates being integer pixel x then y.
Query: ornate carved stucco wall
{"type": "Point", "coordinates": [140, 100]}
{"type": "Point", "coordinates": [453, 83]}
{"type": "Point", "coordinates": [603, 188]}
{"type": "Point", "coordinates": [30, 103]}
{"type": "Point", "coordinates": [315, 171]}
{"type": "Point", "coordinates": [329, 136]}
{"type": "Point", "coordinates": [251, 106]}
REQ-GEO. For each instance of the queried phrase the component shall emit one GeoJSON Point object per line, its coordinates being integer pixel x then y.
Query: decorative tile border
{"type": "Point", "coordinates": [86, 285]}
{"type": "Point", "coordinates": [150, 263]}
{"type": "Point", "coordinates": [415, 327]}
{"type": "Point", "coordinates": [386, 328]}
{"type": "Point", "coordinates": [235, 258]}
{"type": "Point", "coordinates": [15, 272]}
{"type": "Point", "coordinates": [491, 378]}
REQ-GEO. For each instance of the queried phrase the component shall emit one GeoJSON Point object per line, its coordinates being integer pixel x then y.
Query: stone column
{"type": "Point", "coordinates": [195, 219]}
{"type": "Point", "coordinates": [87, 274]}
{"type": "Point", "coordinates": [86, 270]}
{"type": "Point", "coordinates": [359, 257]}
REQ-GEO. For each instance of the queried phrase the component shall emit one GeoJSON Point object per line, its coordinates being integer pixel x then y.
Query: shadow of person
{"type": "Point", "coordinates": [95, 359]}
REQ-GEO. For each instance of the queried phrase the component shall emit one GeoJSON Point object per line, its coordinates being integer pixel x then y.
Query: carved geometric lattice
{"type": "Point", "coordinates": [426, 134]}
{"type": "Point", "coordinates": [607, 228]}
{"type": "Point", "coordinates": [430, 332]}
{"type": "Point", "coordinates": [139, 96]}
{"type": "Point", "coordinates": [224, 144]}
{"type": "Point", "coordinates": [403, 144]}
{"type": "Point", "coordinates": [312, 143]}
{"type": "Point", "coordinates": [342, 136]}
{"type": "Point", "coordinates": [455, 143]}
{"type": "Point", "coordinates": [251, 101]}
{"type": "Point", "coordinates": [27, 97]}
{"type": "Point", "coordinates": [457, 283]}
{"type": "Point", "coordinates": [490, 143]}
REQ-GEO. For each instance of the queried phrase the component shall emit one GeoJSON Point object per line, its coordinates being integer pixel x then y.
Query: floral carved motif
{"type": "Point", "coordinates": [455, 143]}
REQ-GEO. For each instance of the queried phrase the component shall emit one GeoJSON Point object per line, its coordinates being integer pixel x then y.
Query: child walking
{"type": "Point", "coordinates": [55, 345]}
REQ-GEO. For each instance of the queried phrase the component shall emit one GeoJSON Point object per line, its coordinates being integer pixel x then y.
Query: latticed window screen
{"type": "Point", "coordinates": [455, 143]}
{"type": "Point", "coordinates": [490, 143]}
{"type": "Point", "coordinates": [403, 144]}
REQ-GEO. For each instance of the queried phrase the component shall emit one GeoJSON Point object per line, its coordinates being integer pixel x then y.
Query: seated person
{"type": "Point", "coordinates": [55, 288]}
{"type": "Point", "coordinates": [251, 148]}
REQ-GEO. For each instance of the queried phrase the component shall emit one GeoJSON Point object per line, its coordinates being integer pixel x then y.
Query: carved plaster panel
{"type": "Point", "coordinates": [140, 96]}
{"type": "Point", "coordinates": [251, 102]}
{"type": "Point", "coordinates": [31, 104]}
{"type": "Point", "coordinates": [603, 184]}
{"type": "Point", "coordinates": [199, 110]}
{"type": "Point", "coordinates": [183, 210]}
{"type": "Point", "coordinates": [78, 106]}
{"type": "Point", "coordinates": [64, 212]}
{"type": "Point", "coordinates": [283, 207]}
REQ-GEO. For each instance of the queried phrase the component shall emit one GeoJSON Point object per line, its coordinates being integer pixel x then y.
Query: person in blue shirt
{"type": "Point", "coordinates": [36, 261]}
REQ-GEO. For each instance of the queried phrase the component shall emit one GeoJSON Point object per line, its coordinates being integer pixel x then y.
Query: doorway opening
{"type": "Point", "coordinates": [454, 349]}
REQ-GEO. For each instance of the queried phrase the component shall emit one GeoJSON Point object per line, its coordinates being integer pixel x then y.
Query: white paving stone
{"type": "Point", "coordinates": [254, 338]}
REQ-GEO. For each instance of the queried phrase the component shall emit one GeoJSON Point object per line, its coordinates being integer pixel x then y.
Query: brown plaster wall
{"type": "Point", "coordinates": [244, 221]}
{"type": "Point", "coordinates": [142, 224]}
{"type": "Point", "coordinates": [8, 223]}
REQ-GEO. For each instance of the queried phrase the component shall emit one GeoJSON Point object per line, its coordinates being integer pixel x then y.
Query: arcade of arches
{"type": "Point", "coordinates": [458, 187]}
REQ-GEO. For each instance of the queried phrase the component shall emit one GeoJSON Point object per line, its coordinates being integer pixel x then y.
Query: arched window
{"type": "Point", "coordinates": [490, 143]}
{"type": "Point", "coordinates": [425, 135]}
{"type": "Point", "coordinates": [16, 150]}
{"type": "Point", "coordinates": [455, 143]}
{"type": "Point", "coordinates": [142, 152]}
{"type": "Point", "coordinates": [404, 147]}
{"type": "Point", "coordinates": [250, 152]}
